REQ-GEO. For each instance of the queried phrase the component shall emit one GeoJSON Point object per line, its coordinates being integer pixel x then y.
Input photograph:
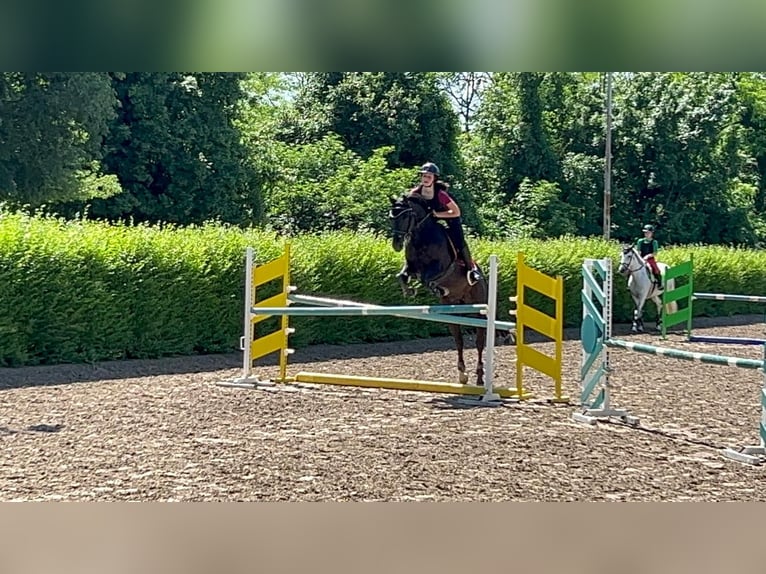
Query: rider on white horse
{"type": "Point", "coordinates": [648, 247]}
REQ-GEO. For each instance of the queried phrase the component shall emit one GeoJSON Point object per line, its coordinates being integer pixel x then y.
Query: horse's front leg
{"type": "Point", "coordinates": [457, 334]}
{"type": "Point", "coordinates": [481, 340]}
{"type": "Point", "coordinates": [404, 281]}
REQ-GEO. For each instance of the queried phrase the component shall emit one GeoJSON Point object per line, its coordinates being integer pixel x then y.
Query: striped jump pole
{"type": "Point", "coordinates": [727, 297]}
{"type": "Point", "coordinates": [686, 355]}
{"type": "Point", "coordinates": [438, 317]}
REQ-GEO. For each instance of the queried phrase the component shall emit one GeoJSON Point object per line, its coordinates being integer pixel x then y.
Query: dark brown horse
{"type": "Point", "coordinates": [431, 258]}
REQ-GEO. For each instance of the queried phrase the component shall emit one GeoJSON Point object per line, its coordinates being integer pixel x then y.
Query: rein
{"type": "Point", "coordinates": [628, 268]}
{"type": "Point", "coordinates": [412, 229]}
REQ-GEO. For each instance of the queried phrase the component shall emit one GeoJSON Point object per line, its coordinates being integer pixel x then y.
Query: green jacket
{"type": "Point", "coordinates": [645, 247]}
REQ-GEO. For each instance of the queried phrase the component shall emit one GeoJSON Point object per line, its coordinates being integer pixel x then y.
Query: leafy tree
{"type": "Point", "coordinates": [677, 160]}
{"type": "Point", "coordinates": [685, 155]}
{"type": "Point", "coordinates": [540, 207]}
{"type": "Point", "coordinates": [514, 142]}
{"type": "Point", "coordinates": [324, 186]}
{"type": "Point", "coordinates": [511, 125]}
{"type": "Point", "coordinates": [751, 92]}
{"type": "Point", "coordinates": [177, 152]}
{"type": "Point", "coordinates": [51, 131]}
{"type": "Point", "coordinates": [369, 110]}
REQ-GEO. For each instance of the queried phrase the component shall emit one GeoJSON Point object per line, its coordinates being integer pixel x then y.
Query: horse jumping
{"type": "Point", "coordinates": [642, 288]}
{"type": "Point", "coordinates": [431, 258]}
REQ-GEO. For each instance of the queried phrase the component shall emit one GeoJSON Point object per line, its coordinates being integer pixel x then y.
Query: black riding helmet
{"type": "Point", "coordinates": [429, 167]}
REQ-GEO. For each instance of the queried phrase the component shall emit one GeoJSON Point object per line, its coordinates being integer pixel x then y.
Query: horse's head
{"type": "Point", "coordinates": [627, 258]}
{"type": "Point", "coordinates": [407, 214]}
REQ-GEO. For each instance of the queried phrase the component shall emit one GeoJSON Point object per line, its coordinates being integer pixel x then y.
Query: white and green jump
{"type": "Point", "coordinates": [597, 297]}
{"type": "Point", "coordinates": [684, 294]}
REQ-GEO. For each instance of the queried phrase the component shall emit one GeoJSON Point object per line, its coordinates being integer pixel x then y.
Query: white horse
{"type": "Point", "coordinates": [641, 286]}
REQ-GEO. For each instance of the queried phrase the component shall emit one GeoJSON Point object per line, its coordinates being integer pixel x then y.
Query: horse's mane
{"type": "Point", "coordinates": [432, 231]}
{"type": "Point", "coordinates": [408, 200]}
{"type": "Point", "coordinates": [417, 199]}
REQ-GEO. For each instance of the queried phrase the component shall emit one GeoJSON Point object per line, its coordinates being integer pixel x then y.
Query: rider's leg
{"type": "Point", "coordinates": [655, 270]}
{"type": "Point", "coordinates": [458, 238]}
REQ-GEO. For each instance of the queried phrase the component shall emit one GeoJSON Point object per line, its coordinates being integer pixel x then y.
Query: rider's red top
{"type": "Point", "coordinates": [442, 197]}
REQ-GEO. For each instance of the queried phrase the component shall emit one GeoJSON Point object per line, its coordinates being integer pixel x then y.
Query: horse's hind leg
{"type": "Point", "coordinates": [660, 312]}
{"type": "Point", "coordinates": [457, 334]}
{"type": "Point", "coordinates": [481, 341]}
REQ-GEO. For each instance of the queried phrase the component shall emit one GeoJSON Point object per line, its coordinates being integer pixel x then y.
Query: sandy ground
{"type": "Point", "coordinates": [165, 431]}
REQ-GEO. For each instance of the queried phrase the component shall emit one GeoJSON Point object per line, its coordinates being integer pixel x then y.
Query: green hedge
{"type": "Point", "coordinates": [85, 291]}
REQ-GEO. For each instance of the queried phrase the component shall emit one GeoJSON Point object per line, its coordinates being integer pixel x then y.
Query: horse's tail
{"type": "Point", "coordinates": [671, 307]}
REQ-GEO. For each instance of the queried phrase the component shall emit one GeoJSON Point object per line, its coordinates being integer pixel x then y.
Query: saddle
{"type": "Point", "coordinates": [656, 280]}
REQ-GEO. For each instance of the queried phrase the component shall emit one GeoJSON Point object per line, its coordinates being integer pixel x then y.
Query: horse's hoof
{"type": "Point", "coordinates": [463, 378]}
{"type": "Point", "coordinates": [408, 292]}
{"type": "Point", "coordinates": [505, 340]}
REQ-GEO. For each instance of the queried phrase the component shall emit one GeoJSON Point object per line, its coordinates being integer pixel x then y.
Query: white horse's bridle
{"type": "Point", "coordinates": [626, 265]}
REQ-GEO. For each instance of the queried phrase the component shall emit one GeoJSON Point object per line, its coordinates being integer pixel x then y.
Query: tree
{"type": "Point", "coordinates": [512, 143]}
{"type": "Point", "coordinates": [751, 91]}
{"type": "Point", "coordinates": [177, 152]}
{"type": "Point", "coordinates": [465, 90]}
{"type": "Point", "coordinates": [685, 155]}
{"type": "Point", "coordinates": [369, 110]}
{"type": "Point", "coordinates": [51, 131]}
{"type": "Point", "coordinates": [324, 186]}
{"type": "Point", "coordinates": [511, 124]}
{"type": "Point", "coordinates": [678, 160]}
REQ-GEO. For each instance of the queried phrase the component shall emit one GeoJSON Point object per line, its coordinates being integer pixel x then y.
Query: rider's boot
{"type": "Point", "coordinates": [657, 280]}
{"type": "Point", "coordinates": [473, 275]}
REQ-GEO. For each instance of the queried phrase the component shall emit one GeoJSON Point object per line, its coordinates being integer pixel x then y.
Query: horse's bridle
{"type": "Point", "coordinates": [625, 267]}
{"type": "Point", "coordinates": [412, 228]}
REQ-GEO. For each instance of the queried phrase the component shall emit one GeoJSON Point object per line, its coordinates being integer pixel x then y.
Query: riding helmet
{"type": "Point", "coordinates": [430, 167]}
{"type": "Point", "coordinates": [648, 227]}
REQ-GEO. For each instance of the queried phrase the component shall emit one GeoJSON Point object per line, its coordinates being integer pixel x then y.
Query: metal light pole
{"type": "Point", "coordinates": [608, 153]}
